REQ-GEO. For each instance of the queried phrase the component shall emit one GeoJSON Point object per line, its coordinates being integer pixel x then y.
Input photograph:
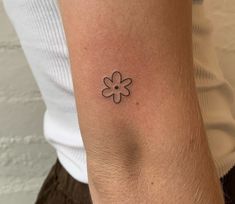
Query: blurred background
{"type": "Point", "coordinates": [25, 157]}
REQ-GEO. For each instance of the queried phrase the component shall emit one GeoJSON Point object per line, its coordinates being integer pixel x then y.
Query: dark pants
{"type": "Point", "coordinates": [60, 188]}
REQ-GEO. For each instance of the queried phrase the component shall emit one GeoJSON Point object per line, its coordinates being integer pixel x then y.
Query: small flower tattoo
{"type": "Point", "coordinates": [116, 87]}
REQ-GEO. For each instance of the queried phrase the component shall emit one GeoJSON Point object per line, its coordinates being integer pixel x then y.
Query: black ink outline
{"type": "Point", "coordinates": [121, 81]}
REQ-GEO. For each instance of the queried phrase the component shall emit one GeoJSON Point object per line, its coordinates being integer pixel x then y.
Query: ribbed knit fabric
{"type": "Point", "coordinates": [39, 27]}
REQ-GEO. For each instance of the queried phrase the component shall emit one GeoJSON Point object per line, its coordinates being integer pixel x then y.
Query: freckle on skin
{"type": "Point", "coordinates": [137, 103]}
{"type": "Point", "coordinates": [152, 183]}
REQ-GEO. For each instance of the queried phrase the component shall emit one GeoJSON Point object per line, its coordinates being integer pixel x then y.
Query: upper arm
{"type": "Point", "coordinates": [147, 41]}
{"type": "Point", "coordinates": [158, 121]}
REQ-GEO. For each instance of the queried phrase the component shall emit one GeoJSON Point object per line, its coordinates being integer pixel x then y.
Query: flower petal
{"type": "Point", "coordinates": [108, 82]}
{"type": "Point", "coordinates": [116, 77]}
{"type": "Point", "coordinates": [117, 98]}
{"type": "Point", "coordinates": [126, 82]}
{"type": "Point", "coordinates": [107, 92]}
{"type": "Point", "coordinates": [125, 91]}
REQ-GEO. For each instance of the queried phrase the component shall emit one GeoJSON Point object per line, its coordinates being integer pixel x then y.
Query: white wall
{"type": "Point", "coordinates": [24, 156]}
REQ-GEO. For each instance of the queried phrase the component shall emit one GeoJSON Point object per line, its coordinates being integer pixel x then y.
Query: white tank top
{"type": "Point", "coordinates": [39, 28]}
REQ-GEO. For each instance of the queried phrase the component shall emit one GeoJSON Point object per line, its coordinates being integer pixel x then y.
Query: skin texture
{"type": "Point", "coordinates": [151, 147]}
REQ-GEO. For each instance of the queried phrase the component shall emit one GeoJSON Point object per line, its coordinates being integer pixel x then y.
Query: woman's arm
{"type": "Point", "coordinates": [148, 146]}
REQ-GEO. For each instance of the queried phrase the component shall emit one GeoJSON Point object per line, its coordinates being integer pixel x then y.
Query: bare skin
{"type": "Point", "coordinates": [150, 145]}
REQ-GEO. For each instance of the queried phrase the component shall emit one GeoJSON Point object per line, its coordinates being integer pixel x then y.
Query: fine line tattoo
{"type": "Point", "coordinates": [116, 87]}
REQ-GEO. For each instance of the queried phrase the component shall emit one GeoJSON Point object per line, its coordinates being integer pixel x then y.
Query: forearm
{"type": "Point", "coordinates": [150, 147]}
